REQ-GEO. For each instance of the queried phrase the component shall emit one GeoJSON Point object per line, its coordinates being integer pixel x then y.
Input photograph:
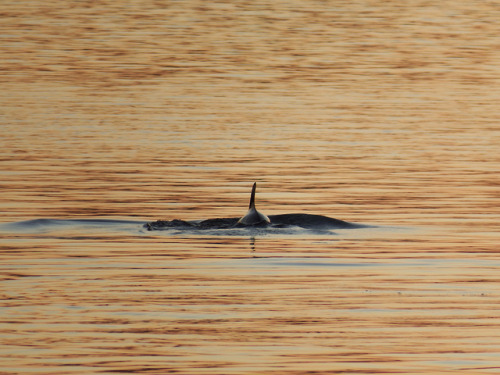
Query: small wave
{"type": "Point", "coordinates": [50, 225]}
{"type": "Point", "coordinates": [285, 224]}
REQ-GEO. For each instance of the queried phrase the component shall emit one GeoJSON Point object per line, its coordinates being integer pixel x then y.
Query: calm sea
{"type": "Point", "coordinates": [113, 114]}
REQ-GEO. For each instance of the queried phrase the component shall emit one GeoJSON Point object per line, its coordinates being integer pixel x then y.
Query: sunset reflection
{"type": "Point", "coordinates": [114, 115]}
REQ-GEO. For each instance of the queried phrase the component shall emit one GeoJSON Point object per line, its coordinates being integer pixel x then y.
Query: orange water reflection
{"type": "Point", "coordinates": [374, 113]}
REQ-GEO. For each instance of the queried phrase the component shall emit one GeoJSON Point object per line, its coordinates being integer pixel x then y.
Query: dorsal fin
{"type": "Point", "coordinates": [252, 197]}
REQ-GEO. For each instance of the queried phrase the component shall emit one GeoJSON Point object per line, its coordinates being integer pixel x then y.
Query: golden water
{"type": "Point", "coordinates": [384, 113]}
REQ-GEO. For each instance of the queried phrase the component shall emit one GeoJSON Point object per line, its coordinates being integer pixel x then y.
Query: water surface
{"type": "Point", "coordinates": [381, 114]}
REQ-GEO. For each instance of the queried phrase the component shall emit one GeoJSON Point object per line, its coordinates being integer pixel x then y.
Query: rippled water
{"type": "Point", "coordinates": [379, 113]}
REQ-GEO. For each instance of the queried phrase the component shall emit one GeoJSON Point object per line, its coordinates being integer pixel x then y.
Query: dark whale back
{"type": "Point", "coordinates": [254, 218]}
{"type": "Point", "coordinates": [312, 221]}
{"type": "Point", "coordinates": [306, 221]}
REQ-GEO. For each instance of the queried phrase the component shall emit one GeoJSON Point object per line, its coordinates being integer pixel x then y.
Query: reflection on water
{"type": "Point", "coordinates": [114, 115]}
{"type": "Point", "coordinates": [138, 303]}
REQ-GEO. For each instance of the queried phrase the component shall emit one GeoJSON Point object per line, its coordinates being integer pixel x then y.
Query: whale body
{"type": "Point", "coordinates": [254, 218]}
